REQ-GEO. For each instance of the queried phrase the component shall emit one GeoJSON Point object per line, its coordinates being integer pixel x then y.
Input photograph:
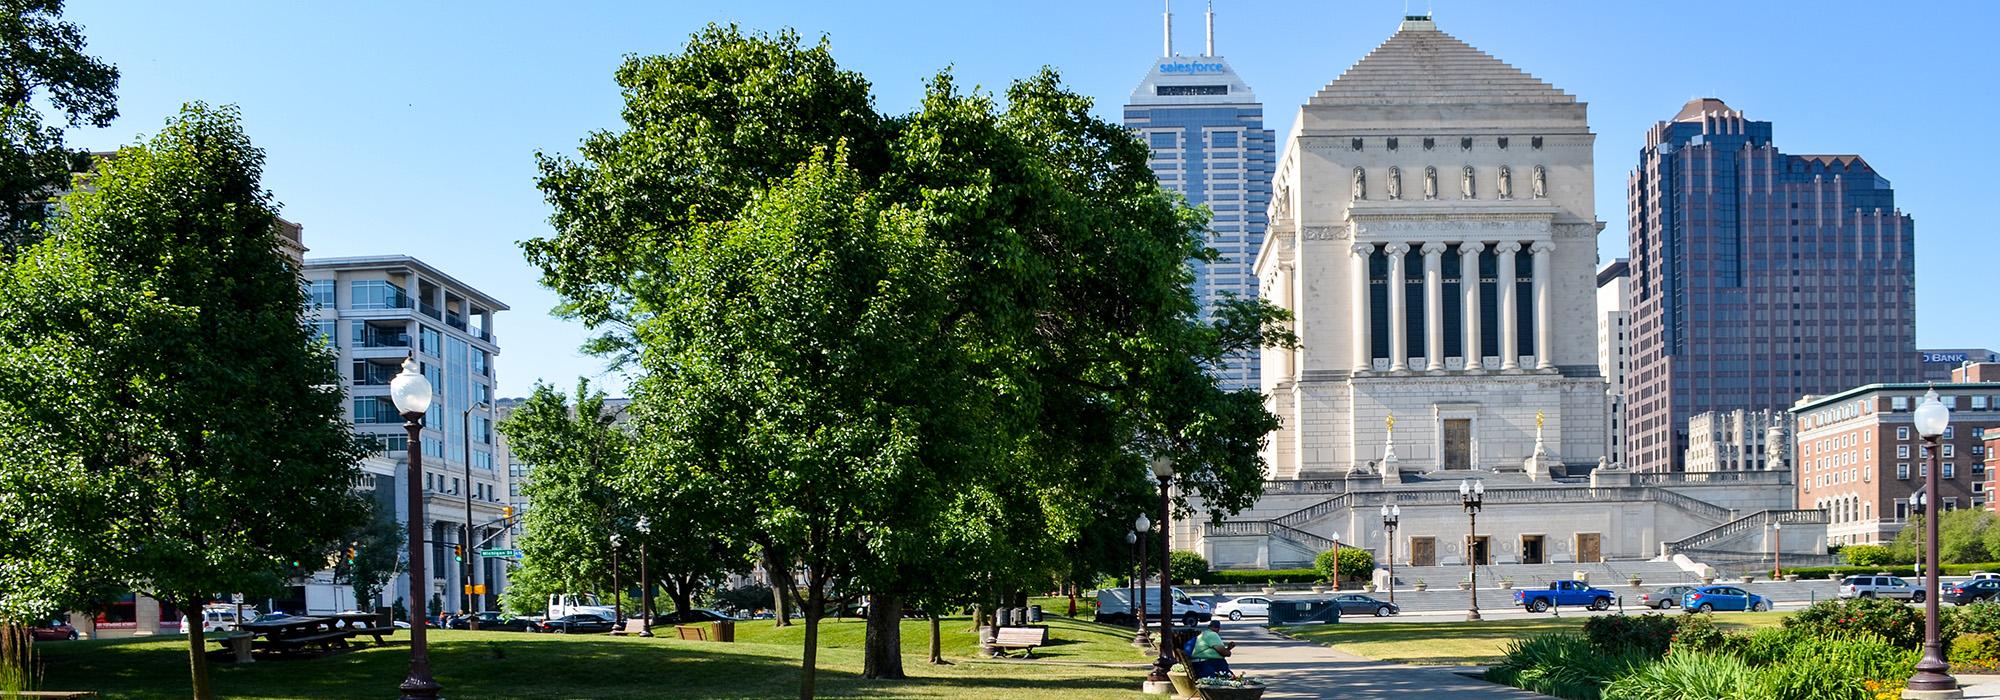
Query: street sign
{"type": "Point", "coordinates": [502, 553]}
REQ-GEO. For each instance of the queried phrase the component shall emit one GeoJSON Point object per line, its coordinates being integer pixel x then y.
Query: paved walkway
{"type": "Point", "coordinates": [1296, 670]}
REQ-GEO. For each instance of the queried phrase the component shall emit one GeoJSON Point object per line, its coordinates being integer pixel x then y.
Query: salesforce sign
{"type": "Point", "coordinates": [1191, 68]}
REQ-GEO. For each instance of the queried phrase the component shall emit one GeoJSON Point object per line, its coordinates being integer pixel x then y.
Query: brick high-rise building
{"type": "Point", "coordinates": [1758, 277]}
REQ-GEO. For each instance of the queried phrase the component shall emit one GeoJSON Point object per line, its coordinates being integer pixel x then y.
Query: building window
{"type": "Point", "coordinates": [319, 294]}
{"type": "Point", "coordinates": [433, 448]}
{"type": "Point", "coordinates": [1950, 503]}
{"type": "Point", "coordinates": [1163, 139]}
{"type": "Point", "coordinates": [328, 332]}
{"type": "Point", "coordinates": [1903, 432]}
{"type": "Point", "coordinates": [1902, 452]}
{"type": "Point", "coordinates": [375, 410]}
{"type": "Point", "coordinates": [1949, 449]}
{"type": "Point", "coordinates": [394, 443]}
{"type": "Point", "coordinates": [1222, 139]}
{"type": "Point", "coordinates": [1948, 430]}
{"type": "Point", "coordinates": [1978, 402]}
{"type": "Point", "coordinates": [429, 339]}
{"type": "Point", "coordinates": [376, 294]}
{"type": "Point", "coordinates": [1923, 470]}
{"type": "Point", "coordinates": [1903, 471]}
{"type": "Point", "coordinates": [1948, 471]}
{"type": "Point", "coordinates": [1867, 472]}
{"type": "Point", "coordinates": [1899, 403]}
{"type": "Point", "coordinates": [482, 459]}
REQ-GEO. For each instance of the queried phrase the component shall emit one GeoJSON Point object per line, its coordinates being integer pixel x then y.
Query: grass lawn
{"type": "Point", "coordinates": [1467, 643]}
{"type": "Point", "coordinates": [762, 664]}
{"type": "Point", "coordinates": [1069, 640]}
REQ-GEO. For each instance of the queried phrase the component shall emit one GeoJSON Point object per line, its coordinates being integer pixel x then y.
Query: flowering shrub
{"type": "Point", "coordinates": [1975, 650]}
{"type": "Point", "coordinates": [1649, 634]}
{"type": "Point", "coordinates": [1698, 633]}
{"type": "Point", "coordinates": [1899, 624]}
{"type": "Point", "coordinates": [1983, 617]}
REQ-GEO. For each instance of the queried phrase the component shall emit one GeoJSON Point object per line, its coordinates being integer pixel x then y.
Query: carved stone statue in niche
{"type": "Point", "coordinates": [1465, 184]}
{"type": "Point", "coordinates": [1541, 184]}
{"type": "Point", "coordinates": [1284, 201]}
{"type": "Point", "coordinates": [1360, 183]}
{"type": "Point", "coordinates": [1506, 182]}
{"type": "Point", "coordinates": [1430, 182]}
{"type": "Point", "coordinates": [1395, 182]}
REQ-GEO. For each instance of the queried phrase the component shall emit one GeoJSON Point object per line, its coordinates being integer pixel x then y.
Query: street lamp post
{"type": "Point", "coordinates": [1132, 582]}
{"type": "Point", "coordinates": [411, 393]}
{"type": "Point", "coordinates": [1473, 495]}
{"type": "Point", "coordinates": [1390, 516]}
{"type": "Point", "coordinates": [1163, 469]}
{"type": "Point", "coordinates": [469, 567]}
{"type": "Point", "coordinates": [617, 589]}
{"type": "Point", "coordinates": [1336, 562]}
{"type": "Point", "coordinates": [645, 582]}
{"type": "Point", "coordinates": [1933, 678]}
{"type": "Point", "coordinates": [1143, 526]}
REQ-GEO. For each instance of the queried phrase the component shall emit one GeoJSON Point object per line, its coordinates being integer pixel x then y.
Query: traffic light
{"type": "Point", "coordinates": [350, 557]}
{"type": "Point", "coordinates": [507, 512]}
{"type": "Point", "coordinates": [458, 552]}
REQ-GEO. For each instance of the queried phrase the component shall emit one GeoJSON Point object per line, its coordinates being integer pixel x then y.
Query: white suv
{"type": "Point", "coordinates": [1880, 587]}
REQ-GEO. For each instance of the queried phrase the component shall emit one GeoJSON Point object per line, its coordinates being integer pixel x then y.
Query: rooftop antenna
{"type": "Point", "coordinates": [1211, 29]}
{"type": "Point", "coordinates": [1169, 36]}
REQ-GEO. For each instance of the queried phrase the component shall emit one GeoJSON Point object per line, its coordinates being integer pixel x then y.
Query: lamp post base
{"type": "Point", "coordinates": [419, 689]}
{"type": "Point", "coordinates": [1952, 694]}
{"type": "Point", "coordinates": [1472, 616]}
{"type": "Point", "coordinates": [1152, 687]}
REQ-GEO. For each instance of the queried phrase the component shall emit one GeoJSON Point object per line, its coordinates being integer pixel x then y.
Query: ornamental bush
{"type": "Point", "coordinates": [1981, 617]}
{"type": "Point", "coordinates": [1899, 624]}
{"type": "Point", "coordinates": [1868, 555]}
{"type": "Point", "coordinates": [1767, 646]}
{"type": "Point", "coordinates": [1687, 675]}
{"type": "Point", "coordinates": [1649, 634]}
{"type": "Point", "coordinates": [1186, 567]}
{"type": "Point", "coordinates": [1237, 577]}
{"type": "Point", "coordinates": [1354, 563]}
{"type": "Point", "coordinates": [1563, 665]}
{"type": "Point", "coordinates": [1697, 633]}
{"type": "Point", "coordinates": [1978, 650]}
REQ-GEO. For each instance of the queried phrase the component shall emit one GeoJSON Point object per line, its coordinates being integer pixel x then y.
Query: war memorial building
{"type": "Point", "coordinates": [1433, 230]}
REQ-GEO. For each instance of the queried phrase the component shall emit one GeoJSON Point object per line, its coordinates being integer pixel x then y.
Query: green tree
{"type": "Point", "coordinates": [1353, 563]}
{"type": "Point", "coordinates": [198, 436]}
{"type": "Point", "coordinates": [1187, 566]}
{"type": "Point", "coordinates": [871, 340]}
{"type": "Point", "coordinates": [373, 554]}
{"type": "Point", "coordinates": [42, 59]}
{"type": "Point", "coordinates": [577, 458]}
{"type": "Point", "coordinates": [1965, 533]}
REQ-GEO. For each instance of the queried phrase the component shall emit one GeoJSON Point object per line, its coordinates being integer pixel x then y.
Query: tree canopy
{"type": "Point", "coordinates": [42, 61]}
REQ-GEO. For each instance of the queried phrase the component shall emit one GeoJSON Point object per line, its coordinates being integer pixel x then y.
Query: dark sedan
{"type": "Point", "coordinates": [53, 631]}
{"type": "Point", "coordinates": [1357, 604]}
{"type": "Point", "coordinates": [578, 624]}
{"type": "Point", "coordinates": [691, 617]}
{"type": "Point", "coordinates": [1664, 598]}
{"type": "Point", "coordinates": [495, 622]}
{"type": "Point", "coordinates": [1968, 592]}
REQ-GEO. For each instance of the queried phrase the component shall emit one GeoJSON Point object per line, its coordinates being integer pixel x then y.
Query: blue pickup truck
{"type": "Point", "coordinates": [1570, 593]}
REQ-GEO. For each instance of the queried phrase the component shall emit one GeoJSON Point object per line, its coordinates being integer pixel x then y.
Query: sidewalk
{"type": "Point", "coordinates": [1297, 670]}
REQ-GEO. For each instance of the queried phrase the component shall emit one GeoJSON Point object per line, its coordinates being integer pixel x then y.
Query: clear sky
{"type": "Point", "coordinates": [410, 127]}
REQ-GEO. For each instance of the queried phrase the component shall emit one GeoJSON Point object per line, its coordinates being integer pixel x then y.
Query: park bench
{"type": "Point", "coordinates": [633, 628]}
{"type": "Point", "coordinates": [238, 644]}
{"type": "Point", "coordinates": [53, 694]}
{"type": "Point", "coordinates": [692, 633]}
{"type": "Point", "coordinates": [1007, 639]}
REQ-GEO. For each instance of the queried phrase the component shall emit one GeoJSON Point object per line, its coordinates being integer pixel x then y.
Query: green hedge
{"type": "Point", "coordinates": [1809, 572]}
{"type": "Point", "coordinates": [1237, 578]}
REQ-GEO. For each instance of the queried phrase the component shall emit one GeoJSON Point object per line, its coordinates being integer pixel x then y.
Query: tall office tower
{"type": "Point", "coordinates": [378, 310]}
{"type": "Point", "coordinates": [1758, 277]}
{"type": "Point", "coordinates": [1206, 130]}
{"type": "Point", "coordinates": [1614, 345]}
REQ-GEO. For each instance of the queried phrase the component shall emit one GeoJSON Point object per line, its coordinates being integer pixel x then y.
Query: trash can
{"type": "Point", "coordinates": [1003, 617]}
{"type": "Point", "coordinates": [1302, 612]}
{"type": "Point", "coordinates": [1035, 614]}
{"type": "Point", "coordinates": [725, 630]}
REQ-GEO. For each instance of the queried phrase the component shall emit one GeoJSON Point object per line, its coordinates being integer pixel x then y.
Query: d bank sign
{"type": "Point", "coordinates": [1191, 67]}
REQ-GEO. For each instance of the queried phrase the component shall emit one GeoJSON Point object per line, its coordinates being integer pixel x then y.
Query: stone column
{"type": "Point", "coordinates": [1364, 350]}
{"type": "Point", "coordinates": [1399, 321]}
{"type": "Point", "coordinates": [1434, 306]}
{"type": "Point", "coordinates": [1545, 356]}
{"type": "Point", "coordinates": [1468, 285]}
{"type": "Point", "coordinates": [146, 615]}
{"type": "Point", "coordinates": [1510, 331]}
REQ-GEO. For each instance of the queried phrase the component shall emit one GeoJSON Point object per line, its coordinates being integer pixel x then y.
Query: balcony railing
{"type": "Point", "coordinates": [454, 320]}
{"type": "Point", "coordinates": [430, 310]}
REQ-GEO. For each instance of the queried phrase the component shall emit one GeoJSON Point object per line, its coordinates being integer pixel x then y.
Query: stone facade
{"type": "Point", "coordinates": [1739, 440]}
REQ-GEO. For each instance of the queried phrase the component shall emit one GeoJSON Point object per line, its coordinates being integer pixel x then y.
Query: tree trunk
{"type": "Point", "coordinates": [937, 646]}
{"type": "Point", "coordinates": [683, 597]}
{"type": "Point", "coordinates": [809, 668]}
{"type": "Point", "coordinates": [882, 645]}
{"type": "Point", "coordinates": [198, 652]}
{"type": "Point", "coordinates": [781, 584]}
{"type": "Point", "coordinates": [978, 616]}
{"type": "Point", "coordinates": [17, 659]}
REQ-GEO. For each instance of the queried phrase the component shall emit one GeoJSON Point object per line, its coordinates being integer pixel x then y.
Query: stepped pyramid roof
{"type": "Point", "coordinates": [1421, 65]}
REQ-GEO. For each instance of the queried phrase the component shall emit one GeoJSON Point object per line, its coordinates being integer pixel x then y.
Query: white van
{"type": "Point", "coordinates": [1114, 605]}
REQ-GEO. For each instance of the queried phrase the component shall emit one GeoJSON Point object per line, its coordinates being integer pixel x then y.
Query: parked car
{"type": "Point", "coordinates": [1114, 606]}
{"type": "Point", "coordinates": [692, 616]}
{"type": "Point", "coordinates": [54, 631]}
{"type": "Point", "coordinates": [1713, 598]}
{"type": "Point", "coordinates": [1880, 587]}
{"type": "Point", "coordinates": [1664, 598]}
{"type": "Point", "coordinates": [580, 623]}
{"type": "Point", "coordinates": [1357, 604]}
{"type": "Point", "coordinates": [1985, 576]}
{"type": "Point", "coordinates": [1246, 606]}
{"type": "Point", "coordinates": [1570, 593]}
{"type": "Point", "coordinates": [494, 621]}
{"type": "Point", "coordinates": [1968, 592]}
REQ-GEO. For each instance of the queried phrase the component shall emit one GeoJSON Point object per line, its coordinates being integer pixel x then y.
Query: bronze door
{"type": "Point", "coordinates": [1481, 554]}
{"type": "Point", "coordinates": [1531, 549]}
{"type": "Point", "coordinates": [1457, 444]}
{"type": "Point", "coordinates": [1589, 547]}
{"type": "Point", "coordinates": [1423, 551]}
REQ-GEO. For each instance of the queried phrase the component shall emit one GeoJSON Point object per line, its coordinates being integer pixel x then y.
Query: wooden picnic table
{"type": "Point", "coordinates": [294, 633]}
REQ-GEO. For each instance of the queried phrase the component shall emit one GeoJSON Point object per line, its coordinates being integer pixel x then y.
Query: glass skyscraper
{"type": "Point", "coordinates": [1206, 130]}
{"type": "Point", "coordinates": [1757, 277]}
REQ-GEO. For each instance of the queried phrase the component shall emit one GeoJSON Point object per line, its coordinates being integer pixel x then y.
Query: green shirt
{"type": "Point", "coordinates": [1206, 645]}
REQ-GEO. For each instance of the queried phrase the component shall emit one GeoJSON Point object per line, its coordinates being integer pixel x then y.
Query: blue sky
{"type": "Point", "coordinates": [410, 127]}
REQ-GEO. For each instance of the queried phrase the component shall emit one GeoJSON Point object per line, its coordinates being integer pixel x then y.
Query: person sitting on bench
{"type": "Point", "coordinates": [1209, 653]}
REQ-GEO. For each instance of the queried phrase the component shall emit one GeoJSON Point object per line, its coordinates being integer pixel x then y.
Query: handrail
{"type": "Point", "coordinates": [1744, 477]}
{"type": "Point", "coordinates": [1312, 541]}
{"type": "Point", "coordinates": [1754, 521]}
{"type": "Point", "coordinates": [1691, 504]}
{"type": "Point", "coordinates": [1312, 512]}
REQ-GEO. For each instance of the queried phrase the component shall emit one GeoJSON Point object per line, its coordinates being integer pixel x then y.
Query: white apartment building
{"type": "Point", "coordinates": [1614, 344]}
